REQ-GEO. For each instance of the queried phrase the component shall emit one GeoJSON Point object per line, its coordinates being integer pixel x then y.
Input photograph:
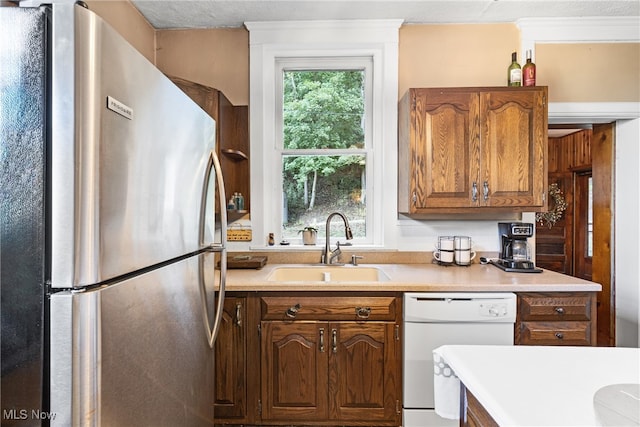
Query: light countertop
{"type": "Point", "coordinates": [538, 385]}
{"type": "Point", "coordinates": [417, 278]}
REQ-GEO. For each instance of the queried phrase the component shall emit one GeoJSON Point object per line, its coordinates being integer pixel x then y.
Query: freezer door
{"type": "Point", "coordinates": [137, 352]}
{"type": "Point", "coordinates": [22, 225]}
{"type": "Point", "coordinates": [129, 157]}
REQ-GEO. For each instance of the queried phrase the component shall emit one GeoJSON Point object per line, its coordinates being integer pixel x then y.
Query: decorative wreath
{"type": "Point", "coordinates": [554, 214]}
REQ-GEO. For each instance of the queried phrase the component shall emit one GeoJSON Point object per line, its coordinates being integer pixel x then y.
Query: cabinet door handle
{"type": "Point", "coordinates": [292, 311]}
{"type": "Point", "coordinates": [238, 314]}
{"type": "Point", "coordinates": [485, 190]}
{"type": "Point", "coordinates": [559, 335]}
{"type": "Point", "coordinates": [363, 312]}
{"type": "Point", "coordinates": [559, 310]}
{"type": "Point", "coordinates": [321, 340]}
{"type": "Point", "coordinates": [474, 192]}
{"type": "Point", "coordinates": [334, 341]}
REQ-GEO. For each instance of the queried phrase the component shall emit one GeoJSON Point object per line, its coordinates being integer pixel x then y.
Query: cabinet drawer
{"type": "Point", "coordinates": [554, 333]}
{"type": "Point", "coordinates": [328, 308]}
{"type": "Point", "coordinates": [555, 307]}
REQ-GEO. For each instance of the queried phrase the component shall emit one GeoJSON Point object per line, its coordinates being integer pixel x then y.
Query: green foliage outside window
{"type": "Point", "coordinates": [323, 110]}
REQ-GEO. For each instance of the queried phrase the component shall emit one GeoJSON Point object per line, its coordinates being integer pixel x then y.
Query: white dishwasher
{"type": "Point", "coordinates": [433, 319]}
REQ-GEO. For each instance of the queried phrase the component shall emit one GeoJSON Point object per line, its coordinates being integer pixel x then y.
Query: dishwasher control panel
{"type": "Point", "coordinates": [425, 307]}
{"type": "Point", "coordinates": [493, 309]}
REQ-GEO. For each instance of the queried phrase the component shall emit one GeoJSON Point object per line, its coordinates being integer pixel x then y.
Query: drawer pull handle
{"type": "Point", "coordinates": [559, 335]}
{"type": "Point", "coordinates": [334, 341]}
{"type": "Point", "coordinates": [559, 310]}
{"type": "Point", "coordinates": [363, 312]}
{"type": "Point", "coordinates": [321, 340]}
{"type": "Point", "coordinates": [292, 311]}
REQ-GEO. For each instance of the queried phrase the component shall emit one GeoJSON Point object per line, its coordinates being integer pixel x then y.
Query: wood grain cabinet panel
{"type": "Point", "coordinates": [461, 149]}
{"type": "Point", "coordinates": [556, 319]}
{"type": "Point", "coordinates": [230, 361]}
{"type": "Point", "coordinates": [331, 360]}
{"type": "Point", "coordinates": [294, 370]}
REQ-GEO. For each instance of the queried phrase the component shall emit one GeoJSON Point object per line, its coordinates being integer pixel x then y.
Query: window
{"type": "Point", "coordinates": [324, 143]}
{"type": "Point", "coordinates": [356, 174]}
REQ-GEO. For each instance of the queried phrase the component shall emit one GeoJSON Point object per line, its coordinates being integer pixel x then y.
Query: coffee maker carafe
{"type": "Point", "coordinates": [514, 248]}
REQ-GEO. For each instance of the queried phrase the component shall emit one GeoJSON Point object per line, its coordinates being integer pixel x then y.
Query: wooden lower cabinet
{"type": "Point", "coordinates": [476, 415]}
{"type": "Point", "coordinates": [556, 318]}
{"type": "Point", "coordinates": [329, 371]}
{"type": "Point", "coordinates": [315, 359]}
{"type": "Point", "coordinates": [230, 361]}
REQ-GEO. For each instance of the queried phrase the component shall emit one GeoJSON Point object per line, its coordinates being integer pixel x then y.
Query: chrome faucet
{"type": "Point", "coordinates": [328, 256]}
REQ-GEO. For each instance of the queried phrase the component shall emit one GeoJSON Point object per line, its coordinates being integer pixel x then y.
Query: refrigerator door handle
{"type": "Point", "coordinates": [214, 165]}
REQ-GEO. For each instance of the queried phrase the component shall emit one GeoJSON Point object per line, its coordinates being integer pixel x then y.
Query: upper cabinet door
{"type": "Point", "coordinates": [513, 136]}
{"type": "Point", "coordinates": [446, 154]}
{"type": "Point", "coordinates": [466, 148]}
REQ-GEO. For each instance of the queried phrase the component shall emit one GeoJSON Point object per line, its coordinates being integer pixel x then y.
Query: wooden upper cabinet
{"type": "Point", "coordinates": [461, 149]}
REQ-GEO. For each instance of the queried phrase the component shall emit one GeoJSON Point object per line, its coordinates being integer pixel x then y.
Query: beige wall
{"type": "Point", "coordinates": [590, 72]}
{"type": "Point", "coordinates": [128, 21]}
{"type": "Point", "coordinates": [455, 55]}
{"type": "Point", "coordinates": [429, 56]}
{"type": "Point", "coordinates": [217, 58]}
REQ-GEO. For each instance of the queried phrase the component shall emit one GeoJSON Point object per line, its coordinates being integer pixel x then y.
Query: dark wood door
{"type": "Point", "coordinates": [364, 375]}
{"type": "Point", "coordinates": [602, 160]}
{"type": "Point", "coordinates": [583, 164]}
{"type": "Point", "coordinates": [294, 370]}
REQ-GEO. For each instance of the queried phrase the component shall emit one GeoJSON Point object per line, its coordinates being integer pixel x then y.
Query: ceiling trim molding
{"type": "Point", "coordinates": [604, 29]}
{"type": "Point", "coordinates": [324, 31]}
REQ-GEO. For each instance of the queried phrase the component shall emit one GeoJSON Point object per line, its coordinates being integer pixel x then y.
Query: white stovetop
{"type": "Point", "coordinates": [541, 386]}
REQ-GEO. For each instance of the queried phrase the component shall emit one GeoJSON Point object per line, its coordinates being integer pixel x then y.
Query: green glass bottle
{"type": "Point", "coordinates": [514, 76]}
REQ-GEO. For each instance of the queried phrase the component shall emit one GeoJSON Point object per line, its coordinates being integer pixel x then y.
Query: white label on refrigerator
{"type": "Point", "coordinates": [120, 108]}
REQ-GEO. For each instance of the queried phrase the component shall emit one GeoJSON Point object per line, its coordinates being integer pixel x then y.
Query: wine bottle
{"type": "Point", "coordinates": [529, 72]}
{"type": "Point", "coordinates": [514, 76]}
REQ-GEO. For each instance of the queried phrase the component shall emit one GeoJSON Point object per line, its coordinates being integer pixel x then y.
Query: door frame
{"type": "Point", "coordinates": [624, 226]}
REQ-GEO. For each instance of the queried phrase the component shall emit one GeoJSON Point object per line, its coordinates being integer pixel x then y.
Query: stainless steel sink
{"type": "Point", "coordinates": [326, 273]}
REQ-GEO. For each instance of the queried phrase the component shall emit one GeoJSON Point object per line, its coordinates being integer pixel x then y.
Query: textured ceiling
{"type": "Point", "coordinates": [164, 14]}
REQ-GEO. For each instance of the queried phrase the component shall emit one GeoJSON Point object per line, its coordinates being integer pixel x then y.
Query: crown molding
{"type": "Point", "coordinates": [323, 31]}
{"type": "Point", "coordinates": [577, 30]}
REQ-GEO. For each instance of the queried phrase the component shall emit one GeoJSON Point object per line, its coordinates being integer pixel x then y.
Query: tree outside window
{"type": "Point", "coordinates": [324, 153]}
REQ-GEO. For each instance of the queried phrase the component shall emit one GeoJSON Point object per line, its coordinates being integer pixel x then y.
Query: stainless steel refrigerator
{"type": "Point", "coordinates": [110, 230]}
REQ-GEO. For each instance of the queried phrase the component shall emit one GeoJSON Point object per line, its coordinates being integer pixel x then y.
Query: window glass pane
{"type": "Point", "coordinates": [323, 109]}
{"type": "Point", "coordinates": [316, 185]}
{"type": "Point", "coordinates": [323, 112]}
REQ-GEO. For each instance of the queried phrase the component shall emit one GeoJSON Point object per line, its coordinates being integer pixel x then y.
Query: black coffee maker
{"type": "Point", "coordinates": [514, 248]}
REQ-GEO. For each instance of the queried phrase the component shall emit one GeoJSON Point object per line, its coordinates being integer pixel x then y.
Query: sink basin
{"type": "Point", "coordinates": [322, 273]}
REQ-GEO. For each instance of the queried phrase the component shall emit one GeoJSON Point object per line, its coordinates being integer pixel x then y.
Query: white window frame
{"type": "Point", "coordinates": [275, 43]}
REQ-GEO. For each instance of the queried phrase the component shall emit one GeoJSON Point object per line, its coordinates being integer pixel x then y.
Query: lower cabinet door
{"type": "Point", "coordinates": [294, 370]}
{"type": "Point", "coordinates": [363, 371]}
{"type": "Point", "coordinates": [230, 362]}
{"type": "Point", "coordinates": [320, 372]}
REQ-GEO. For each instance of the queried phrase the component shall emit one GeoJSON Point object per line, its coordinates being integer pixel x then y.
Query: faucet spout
{"type": "Point", "coordinates": [330, 255]}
